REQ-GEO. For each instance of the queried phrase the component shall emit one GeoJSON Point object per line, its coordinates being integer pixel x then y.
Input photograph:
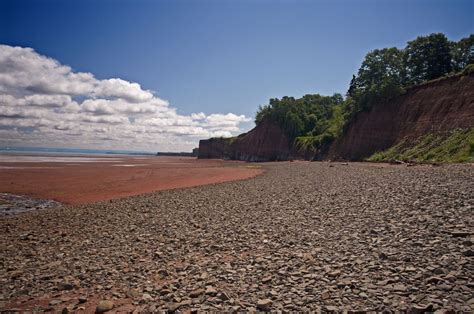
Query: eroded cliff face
{"type": "Point", "coordinates": [434, 107]}
{"type": "Point", "coordinates": [265, 142]}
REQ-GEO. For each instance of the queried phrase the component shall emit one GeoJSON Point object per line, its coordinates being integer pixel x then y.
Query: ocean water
{"type": "Point", "coordinates": [62, 151]}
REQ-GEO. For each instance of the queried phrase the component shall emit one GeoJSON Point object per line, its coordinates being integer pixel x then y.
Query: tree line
{"type": "Point", "coordinates": [385, 73]}
{"type": "Point", "coordinates": [314, 120]}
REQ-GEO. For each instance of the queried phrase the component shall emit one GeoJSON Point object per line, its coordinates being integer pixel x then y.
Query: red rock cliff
{"type": "Point", "coordinates": [434, 107]}
{"type": "Point", "coordinates": [265, 142]}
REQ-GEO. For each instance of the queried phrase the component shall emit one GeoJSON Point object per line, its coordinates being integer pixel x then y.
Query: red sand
{"type": "Point", "coordinates": [106, 178]}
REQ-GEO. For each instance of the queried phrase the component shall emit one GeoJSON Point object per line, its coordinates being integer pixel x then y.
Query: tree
{"type": "Point", "coordinates": [379, 77]}
{"type": "Point", "coordinates": [380, 65]}
{"type": "Point", "coordinates": [427, 58]}
{"type": "Point", "coordinates": [462, 53]}
{"type": "Point", "coordinates": [305, 116]}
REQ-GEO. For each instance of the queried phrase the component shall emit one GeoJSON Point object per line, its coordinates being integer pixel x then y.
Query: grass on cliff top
{"type": "Point", "coordinates": [456, 146]}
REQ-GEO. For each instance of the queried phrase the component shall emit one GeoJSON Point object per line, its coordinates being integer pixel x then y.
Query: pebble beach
{"type": "Point", "coordinates": [301, 236]}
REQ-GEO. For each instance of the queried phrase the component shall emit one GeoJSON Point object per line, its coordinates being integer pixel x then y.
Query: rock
{"type": "Point", "coordinates": [444, 287]}
{"type": "Point", "coordinates": [468, 253]}
{"type": "Point", "coordinates": [399, 288]}
{"type": "Point", "coordinates": [344, 283]}
{"type": "Point", "coordinates": [210, 291]}
{"type": "Point", "coordinates": [331, 308]}
{"type": "Point", "coordinates": [223, 296]}
{"type": "Point", "coordinates": [163, 273]}
{"type": "Point", "coordinates": [104, 306]}
{"type": "Point", "coordinates": [419, 308]}
{"type": "Point", "coordinates": [165, 291]}
{"type": "Point", "coordinates": [460, 233]}
{"type": "Point", "coordinates": [363, 295]}
{"type": "Point", "coordinates": [82, 299]}
{"type": "Point", "coordinates": [264, 305]}
{"type": "Point", "coordinates": [196, 293]}
{"type": "Point", "coordinates": [434, 279]}
{"type": "Point", "coordinates": [175, 306]}
{"type": "Point", "coordinates": [66, 286]}
{"type": "Point", "coordinates": [334, 273]}
{"type": "Point", "coordinates": [325, 295]}
{"type": "Point", "coordinates": [147, 297]}
{"type": "Point", "coordinates": [266, 279]}
{"type": "Point", "coordinates": [133, 293]}
{"type": "Point", "coordinates": [55, 302]}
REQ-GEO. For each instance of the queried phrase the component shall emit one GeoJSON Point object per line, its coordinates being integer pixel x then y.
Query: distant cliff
{"type": "Point", "coordinates": [435, 107]}
{"type": "Point", "coordinates": [265, 142]}
{"type": "Point", "coordinates": [194, 153]}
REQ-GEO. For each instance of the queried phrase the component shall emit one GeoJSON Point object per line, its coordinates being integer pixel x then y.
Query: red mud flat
{"type": "Point", "coordinates": [86, 179]}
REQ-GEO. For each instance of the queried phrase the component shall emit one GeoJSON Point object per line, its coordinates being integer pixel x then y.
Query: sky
{"type": "Point", "coordinates": [160, 75]}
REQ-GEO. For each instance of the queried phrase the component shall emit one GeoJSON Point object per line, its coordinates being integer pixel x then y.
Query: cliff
{"type": "Point", "coordinates": [432, 108]}
{"type": "Point", "coordinates": [436, 107]}
{"type": "Point", "coordinates": [265, 142]}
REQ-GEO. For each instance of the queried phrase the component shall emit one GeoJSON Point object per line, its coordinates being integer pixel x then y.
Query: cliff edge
{"type": "Point", "coordinates": [265, 142]}
{"type": "Point", "coordinates": [435, 107]}
{"type": "Point", "coordinates": [432, 108]}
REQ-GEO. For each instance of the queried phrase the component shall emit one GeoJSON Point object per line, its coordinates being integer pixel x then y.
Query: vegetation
{"type": "Point", "coordinates": [386, 73]}
{"type": "Point", "coordinates": [456, 146]}
{"type": "Point", "coordinates": [313, 121]}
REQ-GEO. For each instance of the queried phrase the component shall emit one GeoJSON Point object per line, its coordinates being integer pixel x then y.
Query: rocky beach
{"type": "Point", "coordinates": [301, 236]}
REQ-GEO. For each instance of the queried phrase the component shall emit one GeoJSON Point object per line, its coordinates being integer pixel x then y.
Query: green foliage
{"type": "Point", "coordinates": [384, 66]}
{"type": "Point", "coordinates": [456, 146]}
{"type": "Point", "coordinates": [313, 121]}
{"type": "Point", "coordinates": [313, 143]}
{"type": "Point", "coordinates": [333, 128]}
{"type": "Point", "coordinates": [427, 58]}
{"type": "Point", "coordinates": [468, 69]}
{"type": "Point", "coordinates": [463, 53]}
{"type": "Point", "coordinates": [310, 115]}
{"type": "Point", "coordinates": [386, 73]}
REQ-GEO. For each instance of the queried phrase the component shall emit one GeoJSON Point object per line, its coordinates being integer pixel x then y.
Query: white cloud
{"type": "Point", "coordinates": [43, 102]}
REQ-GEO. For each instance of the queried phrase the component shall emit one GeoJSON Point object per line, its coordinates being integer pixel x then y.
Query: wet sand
{"type": "Point", "coordinates": [87, 179]}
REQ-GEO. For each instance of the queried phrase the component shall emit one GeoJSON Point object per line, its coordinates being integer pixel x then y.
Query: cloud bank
{"type": "Point", "coordinates": [45, 103]}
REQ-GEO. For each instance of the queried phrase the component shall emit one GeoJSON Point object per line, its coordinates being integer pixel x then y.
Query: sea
{"type": "Point", "coordinates": [73, 151]}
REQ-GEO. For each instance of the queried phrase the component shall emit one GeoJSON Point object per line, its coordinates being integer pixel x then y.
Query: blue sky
{"type": "Point", "coordinates": [225, 56]}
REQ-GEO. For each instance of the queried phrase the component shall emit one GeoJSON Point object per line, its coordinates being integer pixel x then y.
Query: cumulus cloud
{"type": "Point", "coordinates": [43, 102]}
